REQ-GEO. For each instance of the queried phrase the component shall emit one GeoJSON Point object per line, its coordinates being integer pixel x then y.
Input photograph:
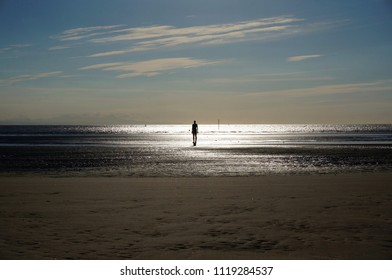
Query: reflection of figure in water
{"type": "Point", "coordinates": [195, 130]}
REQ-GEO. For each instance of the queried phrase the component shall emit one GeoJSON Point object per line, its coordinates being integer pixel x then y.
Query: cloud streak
{"type": "Point", "coordinates": [377, 86]}
{"type": "Point", "coordinates": [56, 48]}
{"type": "Point", "coordinates": [29, 77]}
{"type": "Point", "coordinates": [14, 47]}
{"type": "Point", "coordinates": [150, 68]}
{"type": "Point", "coordinates": [303, 57]}
{"type": "Point", "coordinates": [84, 32]}
{"type": "Point", "coordinates": [155, 37]}
{"type": "Point", "coordinates": [146, 38]}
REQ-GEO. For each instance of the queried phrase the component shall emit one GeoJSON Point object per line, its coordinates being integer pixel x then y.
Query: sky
{"type": "Point", "coordinates": [175, 61]}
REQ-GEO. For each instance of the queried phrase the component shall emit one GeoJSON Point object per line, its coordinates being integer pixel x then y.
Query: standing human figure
{"type": "Point", "coordinates": [195, 130]}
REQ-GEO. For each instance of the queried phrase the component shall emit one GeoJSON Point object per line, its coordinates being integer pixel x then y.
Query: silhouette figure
{"type": "Point", "coordinates": [195, 130]}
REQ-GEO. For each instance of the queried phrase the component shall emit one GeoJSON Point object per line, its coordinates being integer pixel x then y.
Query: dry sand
{"type": "Point", "coordinates": [273, 217]}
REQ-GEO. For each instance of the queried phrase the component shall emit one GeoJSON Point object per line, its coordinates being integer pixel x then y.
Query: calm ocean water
{"type": "Point", "coordinates": [167, 150]}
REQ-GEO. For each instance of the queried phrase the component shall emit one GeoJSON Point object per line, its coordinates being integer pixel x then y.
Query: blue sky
{"type": "Point", "coordinates": [241, 61]}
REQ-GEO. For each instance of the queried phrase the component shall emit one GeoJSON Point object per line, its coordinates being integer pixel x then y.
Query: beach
{"type": "Point", "coordinates": [330, 216]}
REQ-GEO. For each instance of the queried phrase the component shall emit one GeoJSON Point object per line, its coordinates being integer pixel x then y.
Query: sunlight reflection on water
{"type": "Point", "coordinates": [167, 150]}
{"type": "Point", "coordinates": [226, 136]}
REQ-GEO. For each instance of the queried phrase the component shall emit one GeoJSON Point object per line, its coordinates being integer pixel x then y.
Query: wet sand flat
{"type": "Point", "coordinates": [347, 216]}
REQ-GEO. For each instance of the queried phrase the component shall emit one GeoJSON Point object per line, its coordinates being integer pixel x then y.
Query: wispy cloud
{"type": "Point", "coordinates": [248, 80]}
{"type": "Point", "coordinates": [21, 45]}
{"type": "Point", "coordinates": [154, 37]}
{"type": "Point", "coordinates": [170, 31]}
{"type": "Point", "coordinates": [83, 32]}
{"type": "Point", "coordinates": [303, 57]}
{"type": "Point", "coordinates": [14, 47]}
{"type": "Point", "coordinates": [150, 67]}
{"type": "Point", "coordinates": [146, 38]}
{"type": "Point", "coordinates": [57, 48]}
{"type": "Point", "coordinates": [29, 77]}
{"type": "Point", "coordinates": [2, 50]}
{"type": "Point", "coordinates": [377, 86]}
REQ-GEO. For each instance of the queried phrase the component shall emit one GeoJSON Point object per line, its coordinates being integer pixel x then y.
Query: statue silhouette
{"type": "Point", "coordinates": [195, 130]}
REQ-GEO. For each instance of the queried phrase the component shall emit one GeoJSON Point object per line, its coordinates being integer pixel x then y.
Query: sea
{"type": "Point", "coordinates": [168, 151]}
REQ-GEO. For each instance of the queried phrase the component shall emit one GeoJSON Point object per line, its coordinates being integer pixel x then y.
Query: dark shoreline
{"type": "Point", "coordinates": [189, 162]}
